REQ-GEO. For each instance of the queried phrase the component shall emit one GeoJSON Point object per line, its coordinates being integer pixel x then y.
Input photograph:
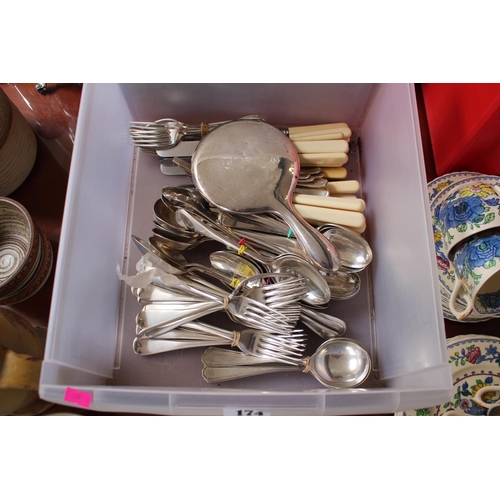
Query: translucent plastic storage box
{"type": "Point", "coordinates": [111, 192]}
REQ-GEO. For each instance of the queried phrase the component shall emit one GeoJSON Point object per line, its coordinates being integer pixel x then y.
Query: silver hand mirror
{"type": "Point", "coordinates": [251, 167]}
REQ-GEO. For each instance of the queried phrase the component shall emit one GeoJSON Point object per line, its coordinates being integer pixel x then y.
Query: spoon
{"type": "Point", "coordinates": [167, 254]}
{"type": "Point", "coordinates": [231, 265]}
{"type": "Point", "coordinates": [343, 285]}
{"type": "Point", "coordinates": [251, 167]}
{"type": "Point", "coordinates": [170, 256]}
{"type": "Point", "coordinates": [318, 290]}
{"type": "Point", "coordinates": [182, 196]}
{"type": "Point", "coordinates": [174, 241]}
{"type": "Point", "coordinates": [338, 363]}
{"type": "Point", "coordinates": [164, 216]}
{"type": "Point", "coordinates": [355, 253]}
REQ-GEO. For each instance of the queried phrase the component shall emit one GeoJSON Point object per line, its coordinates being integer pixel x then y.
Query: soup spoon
{"type": "Point", "coordinates": [355, 252]}
{"type": "Point", "coordinates": [337, 364]}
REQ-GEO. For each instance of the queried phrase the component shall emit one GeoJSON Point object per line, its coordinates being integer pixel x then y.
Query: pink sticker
{"type": "Point", "coordinates": [79, 398]}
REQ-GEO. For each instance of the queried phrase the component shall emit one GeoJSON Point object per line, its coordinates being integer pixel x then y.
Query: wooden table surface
{"type": "Point", "coordinates": [53, 117]}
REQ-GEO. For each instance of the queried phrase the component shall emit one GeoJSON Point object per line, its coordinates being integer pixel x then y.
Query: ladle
{"type": "Point", "coordinates": [338, 363]}
{"type": "Point", "coordinates": [251, 167]}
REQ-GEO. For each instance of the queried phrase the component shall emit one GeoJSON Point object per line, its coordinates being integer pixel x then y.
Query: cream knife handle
{"type": "Point", "coordinates": [309, 131]}
{"type": "Point", "coordinates": [352, 204]}
{"type": "Point", "coordinates": [347, 218]}
{"type": "Point", "coordinates": [338, 146]}
{"type": "Point", "coordinates": [334, 136]}
{"type": "Point", "coordinates": [334, 173]}
{"type": "Point", "coordinates": [323, 159]}
{"type": "Point", "coordinates": [343, 187]}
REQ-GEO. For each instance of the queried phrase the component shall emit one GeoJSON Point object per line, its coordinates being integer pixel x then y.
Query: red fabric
{"type": "Point", "coordinates": [464, 125]}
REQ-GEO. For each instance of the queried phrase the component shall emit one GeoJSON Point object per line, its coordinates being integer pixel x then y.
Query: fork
{"type": "Point", "coordinates": [168, 132]}
{"type": "Point", "coordinates": [252, 342]}
{"type": "Point", "coordinates": [239, 305]}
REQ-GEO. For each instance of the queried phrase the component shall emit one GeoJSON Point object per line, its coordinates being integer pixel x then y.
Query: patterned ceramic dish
{"type": "Point", "coordinates": [475, 363]}
{"type": "Point", "coordinates": [38, 277]}
{"type": "Point", "coordinates": [26, 256]}
{"type": "Point", "coordinates": [439, 189]}
{"type": "Point", "coordinates": [20, 245]}
{"type": "Point", "coordinates": [446, 276]}
{"type": "Point", "coordinates": [465, 208]}
{"type": "Point", "coordinates": [437, 185]}
{"type": "Point", "coordinates": [477, 264]}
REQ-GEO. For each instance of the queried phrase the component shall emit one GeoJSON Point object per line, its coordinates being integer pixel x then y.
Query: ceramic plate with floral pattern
{"type": "Point", "coordinates": [475, 363]}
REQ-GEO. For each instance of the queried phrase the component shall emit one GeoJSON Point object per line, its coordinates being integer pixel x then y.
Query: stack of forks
{"type": "Point", "coordinates": [268, 306]}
